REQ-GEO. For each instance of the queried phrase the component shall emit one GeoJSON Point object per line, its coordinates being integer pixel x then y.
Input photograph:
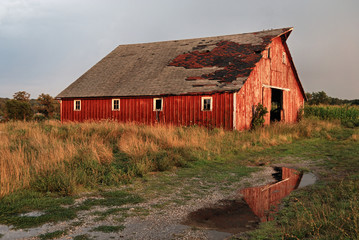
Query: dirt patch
{"type": "Point", "coordinates": [232, 216]}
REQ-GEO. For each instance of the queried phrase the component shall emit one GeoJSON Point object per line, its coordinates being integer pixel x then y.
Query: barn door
{"type": "Point", "coordinates": [276, 111]}
{"type": "Point", "coordinates": [267, 99]}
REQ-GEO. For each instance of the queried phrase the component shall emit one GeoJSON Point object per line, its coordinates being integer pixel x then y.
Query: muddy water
{"type": "Point", "coordinates": [258, 204]}
{"type": "Point", "coordinates": [230, 216]}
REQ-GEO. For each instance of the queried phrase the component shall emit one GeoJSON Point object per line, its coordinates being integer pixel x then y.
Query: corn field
{"type": "Point", "coordinates": [344, 113]}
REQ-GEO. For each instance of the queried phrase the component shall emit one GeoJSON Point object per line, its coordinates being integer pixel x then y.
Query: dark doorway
{"type": "Point", "coordinates": [277, 105]}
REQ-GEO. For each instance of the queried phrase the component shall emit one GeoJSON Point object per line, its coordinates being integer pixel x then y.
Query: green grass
{"type": "Point", "coordinates": [112, 211]}
{"type": "Point", "coordinates": [77, 223]}
{"type": "Point", "coordinates": [328, 209]}
{"type": "Point", "coordinates": [108, 229]}
{"type": "Point", "coordinates": [204, 174]}
{"type": "Point", "coordinates": [52, 235]}
{"type": "Point", "coordinates": [12, 206]}
{"type": "Point", "coordinates": [82, 237]}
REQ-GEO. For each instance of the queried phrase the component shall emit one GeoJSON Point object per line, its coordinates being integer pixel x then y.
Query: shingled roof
{"type": "Point", "coordinates": [201, 65]}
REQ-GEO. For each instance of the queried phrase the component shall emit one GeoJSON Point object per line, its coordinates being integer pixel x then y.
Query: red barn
{"type": "Point", "coordinates": [212, 81]}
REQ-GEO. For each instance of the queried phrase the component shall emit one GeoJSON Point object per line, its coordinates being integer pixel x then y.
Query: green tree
{"type": "Point", "coordinates": [22, 96]}
{"type": "Point", "coordinates": [2, 106]}
{"type": "Point", "coordinates": [47, 105]}
{"type": "Point", "coordinates": [317, 98]}
{"type": "Point", "coordinates": [18, 110]}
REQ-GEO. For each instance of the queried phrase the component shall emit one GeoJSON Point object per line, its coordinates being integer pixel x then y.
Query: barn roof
{"type": "Point", "coordinates": [201, 65]}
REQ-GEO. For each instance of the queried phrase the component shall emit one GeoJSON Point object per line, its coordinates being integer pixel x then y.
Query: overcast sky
{"type": "Point", "coordinates": [45, 45]}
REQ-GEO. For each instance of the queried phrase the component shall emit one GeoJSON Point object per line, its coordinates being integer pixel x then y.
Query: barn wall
{"type": "Point", "coordinates": [177, 110]}
{"type": "Point", "coordinates": [273, 72]}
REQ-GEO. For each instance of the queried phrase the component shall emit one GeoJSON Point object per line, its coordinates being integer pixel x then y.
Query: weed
{"type": "Point", "coordinates": [52, 235]}
{"type": "Point", "coordinates": [77, 223]}
{"type": "Point", "coordinates": [82, 237]}
{"type": "Point", "coordinates": [103, 215]}
{"type": "Point", "coordinates": [108, 229]}
{"type": "Point", "coordinates": [12, 206]}
{"type": "Point", "coordinates": [258, 116]}
{"type": "Point", "coordinates": [316, 212]}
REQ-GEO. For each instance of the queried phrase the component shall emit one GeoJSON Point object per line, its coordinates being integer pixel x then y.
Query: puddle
{"type": "Point", "coordinates": [32, 214]}
{"type": "Point", "coordinates": [264, 200]}
{"type": "Point", "coordinates": [235, 216]}
{"type": "Point", "coordinates": [231, 216]}
{"type": "Point", "coordinates": [307, 179]}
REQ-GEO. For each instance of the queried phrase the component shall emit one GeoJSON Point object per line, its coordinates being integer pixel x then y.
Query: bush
{"type": "Point", "coordinates": [56, 182]}
{"type": "Point", "coordinates": [18, 110]}
{"type": "Point", "coordinates": [258, 116]}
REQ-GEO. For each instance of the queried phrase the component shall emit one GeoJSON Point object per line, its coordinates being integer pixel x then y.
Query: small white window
{"type": "Point", "coordinates": [284, 58]}
{"type": "Point", "coordinates": [115, 104]}
{"type": "Point", "coordinates": [157, 104]}
{"type": "Point", "coordinates": [206, 104]}
{"type": "Point", "coordinates": [77, 105]}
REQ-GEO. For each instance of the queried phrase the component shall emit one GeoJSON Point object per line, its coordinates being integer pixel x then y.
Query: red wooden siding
{"type": "Point", "coordinates": [272, 72]}
{"type": "Point", "coordinates": [177, 110]}
{"type": "Point", "coordinates": [266, 198]}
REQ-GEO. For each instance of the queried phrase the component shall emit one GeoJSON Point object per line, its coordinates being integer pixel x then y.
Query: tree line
{"type": "Point", "coordinates": [21, 107]}
{"type": "Point", "coordinates": [317, 98]}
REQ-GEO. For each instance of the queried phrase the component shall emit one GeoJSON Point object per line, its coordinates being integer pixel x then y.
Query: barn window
{"type": "Point", "coordinates": [284, 58]}
{"type": "Point", "coordinates": [77, 105]}
{"type": "Point", "coordinates": [157, 104]}
{"type": "Point", "coordinates": [115, 104]}
{"type": "Point", "coordinates": [268, 53]}
{"type": "Point", "coordinates": [206, 104]}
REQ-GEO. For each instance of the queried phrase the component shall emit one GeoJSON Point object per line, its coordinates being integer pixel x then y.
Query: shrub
{"type": "Point", "coordinates": [18, 110]}
{"type": "Point", "coordinates": [258, 116]}
{"type": "Point", "coordinates": [56, 181]}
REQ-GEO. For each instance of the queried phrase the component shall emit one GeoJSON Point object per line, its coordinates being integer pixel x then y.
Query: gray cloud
{"type": "Point", "coordinates": [46, 45]}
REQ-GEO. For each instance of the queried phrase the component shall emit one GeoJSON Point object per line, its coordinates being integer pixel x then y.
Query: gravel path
{"type": "Point", "coordinates": [148, 220]}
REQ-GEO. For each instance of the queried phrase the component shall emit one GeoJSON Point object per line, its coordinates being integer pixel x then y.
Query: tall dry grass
{"type": "Point", "coordinates": [50, 154]}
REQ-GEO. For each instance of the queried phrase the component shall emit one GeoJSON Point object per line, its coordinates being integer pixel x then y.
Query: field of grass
{"type": "Point", "coordinates": [68, 158]}
{"type": "Point", "coordinates": [54, 162]}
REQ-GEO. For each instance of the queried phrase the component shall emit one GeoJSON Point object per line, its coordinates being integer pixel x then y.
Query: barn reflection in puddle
{"type": "Point", "coordinates": [245, 214]}
{"type": "Point", "coordinates": [265, 199]}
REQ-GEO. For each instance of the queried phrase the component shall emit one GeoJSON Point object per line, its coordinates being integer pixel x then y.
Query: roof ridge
{"type": "Point", "coordinates": [225, 35]}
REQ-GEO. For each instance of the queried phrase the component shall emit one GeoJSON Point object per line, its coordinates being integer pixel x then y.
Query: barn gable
{"type": "Point", "coordinates": [212, 64]}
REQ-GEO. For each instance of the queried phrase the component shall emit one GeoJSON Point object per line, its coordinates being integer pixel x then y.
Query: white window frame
{"type": "Point", "coordinates": [154, 104]}
{"type": "Point", "coordinates": [113, 104]}
{"type": "Point", "coordinates": [202, 103]}
{"type": "Point", "coordinates": [75, 101]}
